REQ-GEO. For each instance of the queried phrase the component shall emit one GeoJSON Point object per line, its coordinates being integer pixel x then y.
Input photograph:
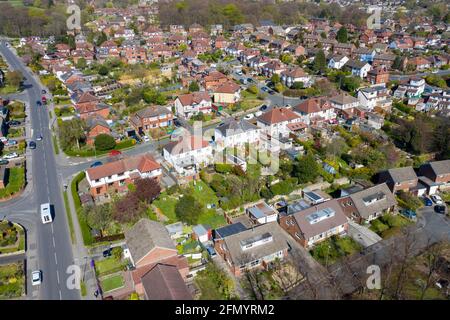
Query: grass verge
{"type": "Point", "coordinates": [69, 216]}
{"type": "Point", "coordinates": [85, 230]}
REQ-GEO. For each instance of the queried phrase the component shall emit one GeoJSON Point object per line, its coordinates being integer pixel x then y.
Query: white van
{"type": "Point", "coordinates": [46, 214]}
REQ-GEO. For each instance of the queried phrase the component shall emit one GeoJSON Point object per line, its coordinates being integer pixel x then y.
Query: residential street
{"type": "Point", "coordinates": [53, 247]}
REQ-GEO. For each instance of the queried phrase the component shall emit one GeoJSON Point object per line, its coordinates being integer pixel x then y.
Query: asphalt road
{"type": "Point", "coordinates": [54, 248]}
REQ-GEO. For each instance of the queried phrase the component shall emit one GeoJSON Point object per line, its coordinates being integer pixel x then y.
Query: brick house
{"type": "Point", "coordinates": [438, 172]}
{"type": "Point", "coordinates": [95, 126]}
{"type": "Point", "coordinates": [315, 110]}
{"type": "Point", "coordinates": [227, 93]}
{"type": "Point", "coordinates": [315, 224]}
{"type": "Point", "coordinates": [245, 249]}
{"type": "Point", "coordinates": [274, 123]}
{"type": "Point", "coordinates": [117, 175]}
{"type": "Point", "coordinates": [378, 75]}
{"type": "Point", "coordinates": [187, 105]}
{"type": "Point", "coordinates": [149, 244]}
{"type": "Point", "coordinates": [151, 118]}
{"type": "Point", "coordinates": [214, 79]}
{"type": "Point", "coordinates": [399, 179]}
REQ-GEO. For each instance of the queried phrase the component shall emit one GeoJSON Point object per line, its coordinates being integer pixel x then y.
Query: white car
{"type": "Point", "coordinates": [10, 155]}
{"type": "Point", "coordinates": [436, 199]}
{"type": "Point", "coordinates": [258, 113]}
{"type": "Point", "coordinates": [146, 138]}
{"type": "Point", "coordinates": [36, 277]}
{"type": "Point", "coordinates": [249, 116]}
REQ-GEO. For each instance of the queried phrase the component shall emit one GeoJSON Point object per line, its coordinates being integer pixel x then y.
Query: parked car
{"type": "Point", "coordinates": [96, 164]}
{"type": "Point", "coordinates": [36, 277]}
{"type": "Point", "coordinates": [265, 89]}
{"type": "Point", "coordinates": [14, 123]}
{"type": "Point", "coordinates": [271, 92]}
{"type": "Point", "coordinates": [3, 162]}
{"type": "Point", "coordinates": [263, 108]}
{"type": "Point", "coordinates": [436, 199]}
{"type": "Point", "coordinates": [39, 137]}
{"type": "Point", "coordinates": [146, 138]}
{"type": "Point", "coordinates": [440, 209]}
{"type": "Point", "coordinates": [107, 253]}
{"type": "Point", "coordinates": [10, 155]}
{"type": "Point", "coordinates": [249, 80]}
{"type": "Point", "coordinates": [427, 201]}
{"type": "Point", "coordinates": [249, 116]}
{"type": "Point", "coordinates": [239, 73]}
{"type": "Point", "coordinates": [44, 91]}
{"type": "Point", "coordinates": [409, 214]}
{"type": "Point", "coordinates": [32, 145]}
{"type": "Point", "coordinates": [11, 143]}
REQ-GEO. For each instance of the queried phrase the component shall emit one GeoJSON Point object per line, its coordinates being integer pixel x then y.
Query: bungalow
{"type": "Point", "coordinates": [114, 177]}
{"type": "Point", "coordinates": [368, 204]}
{"type": "Point", "coordinates": [275, 122]}
{"type": "Point", "coordinates": [149, 245]}
{"type": "Point", "coordinates": [227, 93]}
{"type": "Point", "coordinates": [315, 110]}
{"type": "Point", "coordinates": [252, 248]}
{"type": "Point", "coordinates": [151, 117]}
{"type": "Point", "coordinates": [337, 61]}
{"type": "Point", "coordinates": [188, 154]}
{"type": "Point", "coordinates": [234, 132]}
{"type": "Point", "coordinates": [315, 224]}
{"type": "Point", "coordinates": [295, 75]}
{"type": "Point", "coordinates": [187, 105]}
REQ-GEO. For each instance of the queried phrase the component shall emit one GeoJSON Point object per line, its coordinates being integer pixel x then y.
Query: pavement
{"type": "Point", "coordinates": [49, 249]}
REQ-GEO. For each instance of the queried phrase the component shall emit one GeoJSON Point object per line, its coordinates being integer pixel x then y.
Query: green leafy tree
{"type": "Point", "coordinates": [81, 64]}
{"type": "Point", "coordinates": [188, 209]}
{"type": "Point", "coordinates": [98, 216]}
{"type": "Point", "coordinates": [71, 132]}
{"type": "Point", "coordinates": [306, 169]}
{"type": "Point", "coordinates": [342, 35]}
{"type": "Point", "coordinates": [104, 142]}
{"type": "Point", "coordinates": [103, 70]}
{"type": "Point", "coordinates": [194, 87]}
{"type": "Point", "coordinates": [275, 78]}
{"type": "Point", "coordinates": [320, 62]}
{"type": "Point", "coordinates": [153, 96]}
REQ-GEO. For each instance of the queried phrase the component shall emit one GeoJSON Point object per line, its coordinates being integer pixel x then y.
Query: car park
{"type": "Point", "coordinates": [96, 164]}
{"type": "Point", "coordinates": [32, 145]}
{"type": "Point", "coordinates": [436, 199]}
{"type": "Point", "coordinates": [36, 277]}
{"type": "Point", "coordinates": [440, 209]}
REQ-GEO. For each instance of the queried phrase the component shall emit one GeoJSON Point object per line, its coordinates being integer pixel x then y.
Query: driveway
{"type": "Point", "coordinates": [363, 235]}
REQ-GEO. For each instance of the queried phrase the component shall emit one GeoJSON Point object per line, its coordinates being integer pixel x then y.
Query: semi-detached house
{"type": "Point", "coordinates": [235, 132]}
{"type": "Point", "coordinates": [187, 105]}
{"type": "Point", "coordinates": [114, 177]}
{"type": "Point", "coordinates": [151, 118]}
{"type": "Point", "coordinates": [274, 123]}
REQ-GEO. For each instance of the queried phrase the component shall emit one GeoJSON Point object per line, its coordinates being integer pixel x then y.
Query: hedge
{"type": "Point", "coordinates": [126, 144]}
{"type": "Point", "coordinates": [85, 230]}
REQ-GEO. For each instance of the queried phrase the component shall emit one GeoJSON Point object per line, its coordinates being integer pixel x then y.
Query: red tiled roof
{"type": "Point", "coordinates": [228, 87]}
{"type": "Point", "coordinates": [312, 105]}
{"type": "Point", "coordinates": [278, 115]}
{"type": "Point", "coordinates": [193, 98]}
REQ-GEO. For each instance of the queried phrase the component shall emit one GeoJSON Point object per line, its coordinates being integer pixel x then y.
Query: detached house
{"type": "Point", "coordinates": [151, 247]}
{"type": "Point", "coordinates": [253, 248]}
{"type": "Point", "coordinates": [376, 96]}
{"type": "Point", "coordinates": [95, 126]}
{"type": "Point", "coordinates": [88, 105]}
{"type": "Point", "coordinates": [291, 76]}
{"type": "Point", "coordinates": [315, 110]}
{"type": "Point", "coordinates": [234, 132]}
{"type": "Point", "coordinates": [337, 62]}
{"type": "Point", "coordinates": [227, 93]}
{"type": "Point", "coordinates": [399, 179]}
{"type": "Point", "coordinates": [274, 123]}
{"type": "Point", "coordinates": [188, 154]}
{"type": "Point", "coordinates": [315, 224]}
{"type": "Point", "coordinates": [187, 105]}
{"type": "Point", "coordinates": [117, 175]}
{"type": "Point", "coordinates": [369, 204]}
{"type": "Point", "coordinates": [344, 101]}
{"type": "Point", "coordinates": [151, 118]}
{"type": "Point", "coordinates": [358, 68]}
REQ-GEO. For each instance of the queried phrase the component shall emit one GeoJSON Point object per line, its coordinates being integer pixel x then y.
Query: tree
{"type": "Point", "coordinates": [71, 132]}
{"type": "Point", "coordinates": [275, 78]}
{"type": "Point", "coordinates": [117, 253]}
{"type": "Point", "coordinates": [342, 35]}
{"type": "Point", "coordinates": [298, 85]}
{"type": "Point", "coordinates": [306, 169]}
{"type": "Point", "coordinates": [81, 64]}
{"type": "Point", "coordinates": [350, 84]}
{"type": "Point", "coordinates": [194, 87]}
{"type": "Point", "coordinates": [147, 189]}
{"type": "Point", "coordinates": [397, 64]}
{"type": "Point", "coordinates": [320, 61]}
{"type": "Point", "coordinates": [253, 89]}
{"type": "Point", "coordinates": [14, 78]}
{"type": "Point", "coordinates": [336, 147]}
{"type": "Point", "coordinates": [153, 96]}
{"type": "Point", "coordinates": [286, 58]}
{"type": "Point", "coordinates": [127, 209]}
{"type": "Point", "coordinates": [103, 70]}
{"type": "Point", "coordinates": [188, 209]}
{"type": "Point", "coordinates": [98, 216]}
{"type": "Point", "coordinates": [104, 142]}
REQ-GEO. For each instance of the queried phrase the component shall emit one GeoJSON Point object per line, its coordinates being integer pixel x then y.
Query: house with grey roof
{"type": "Point", "coordinates": [399, 179]}
{"type": "Point", "coordinates": [368, 204]}
{"type": "Point", "coordinates": [438, 172]}
{"type": "Point", "coordinates": [316, 223]}
{"type": "Point", "coordinates": [262, 213]}
{"type": "Point", "coordinates": [256, 247]}
{"type": "Point", "coordinates": [234, 132]}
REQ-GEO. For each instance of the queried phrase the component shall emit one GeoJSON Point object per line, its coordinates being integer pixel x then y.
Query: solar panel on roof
{"type": "Point", "coordinates": [230, 229]}
{"type": "Point", "coordinates": [313, 196]}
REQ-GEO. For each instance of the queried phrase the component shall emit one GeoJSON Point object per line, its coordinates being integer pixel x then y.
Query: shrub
{"type": "Point", "coordinates": [223, 168]}
{"type": "Point", "coordinates": [104, 142]}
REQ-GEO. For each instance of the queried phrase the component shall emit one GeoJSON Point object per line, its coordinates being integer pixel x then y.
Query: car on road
{"type": "Point", "coordinates": [39, 137]}
{"type": "Point", "coordinates": [249, 80]}
{"type": "Point", "coordinates": [263, 108]}
{"type": "Point", "coordinates": [436, 199]}
{"type": "Point", "coordinates": [249, 116]}
{"type": "Point", "coordinates": [32, 145]}
{"type": "Point", "coordinates": [271, 92]}
{"type": "Point", "coordinates": [44, 91]}
{"type": "Point", "coordinates": [146, 138]}
{"type": "Point", "coordinates": [46, 214]}
{"type": "Point", "coordinates": [36, 277]}
{"type": "Point", "coordinates": [10, 155]}
{"type": "Point", "coordinates": [107, 253]}
{"type": "Point", "coordinates": [409, 214]}
{"type": "Point", "coordinates": [3, 162]}
{"type": "Point", "coordinates": [243, 81]}
{"type": "Point", "coordinates": [44, 99]}
{"type": "Point", "coordinates": [96, 164]}
{"type": "Point", "coordinates": [39, 103]}
{"type": "Point", "coordinates": [440, 209]}
{"type": "Point", "coordinates": [427, 201]}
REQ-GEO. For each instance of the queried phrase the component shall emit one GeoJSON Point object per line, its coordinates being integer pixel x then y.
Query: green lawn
{"type": "Point", "coordinates": [108, 266]}
{"type": "Point", "coordinates": [331, 250]}
{"type": "Point", "coordinates": [16, 182]}
{"type": "Point", "coordinates": [90, 152]}
{"type": "Point", "coordinates": [12, 281]}
{"type": "Point", "coordinates": [167, 205]}
{"type": "Point", "coordinates": [69, 216]}
{"type": "Point", "coordinates": [111, 283]}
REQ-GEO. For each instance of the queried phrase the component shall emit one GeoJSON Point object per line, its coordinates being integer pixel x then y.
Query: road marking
{"type": "Point", "coordinates": [56, 259]}
{"type": "Point", "coordinates": [57, 276]}
{"type": "Point", "coordinates": [54, 246]}
{"type": "Point", "coordinates": [60, 295]}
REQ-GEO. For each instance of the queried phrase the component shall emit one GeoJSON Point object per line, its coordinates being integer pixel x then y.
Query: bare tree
{"type": "Point", "coordinates": [433, 262]}
{"type": "Point", "coordinates": [406, 242]}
